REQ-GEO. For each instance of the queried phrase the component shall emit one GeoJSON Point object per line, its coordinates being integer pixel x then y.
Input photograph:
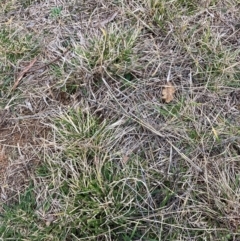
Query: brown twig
{"type": "Point", "coordinates": [27, 69]}
{"type": "Point", "coordinates": [20, 76]}
{"type": "Point", "coordinates": [51, 62]}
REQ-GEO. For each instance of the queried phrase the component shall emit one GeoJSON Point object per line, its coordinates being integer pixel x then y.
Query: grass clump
{"type": "Point", "coordinates": [112, 50]}
{"type": "Point", "coordinates": [105, 197]}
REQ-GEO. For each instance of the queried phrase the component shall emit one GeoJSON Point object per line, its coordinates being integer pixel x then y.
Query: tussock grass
{"type": "Point", "coordinates": [118, 163]}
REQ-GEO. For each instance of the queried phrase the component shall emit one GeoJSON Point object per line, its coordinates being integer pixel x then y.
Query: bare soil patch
{"type": "Point", "coordinates": [21, 143]}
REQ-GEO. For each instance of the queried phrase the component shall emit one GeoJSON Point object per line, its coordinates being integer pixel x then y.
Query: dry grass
{"type": "Point", "coordinates": [94, 152]}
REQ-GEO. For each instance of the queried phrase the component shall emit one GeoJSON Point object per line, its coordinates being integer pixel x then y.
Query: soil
{"type": "Point", "coordinates": [20, 144]}
{"type": "Point", "coordinates": [23, 134]}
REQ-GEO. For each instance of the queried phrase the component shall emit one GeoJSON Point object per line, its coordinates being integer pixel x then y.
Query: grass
{"type": "Point", "coordinates": [16, 45]}
{"type": "Point", "coordinates": [117, 162]}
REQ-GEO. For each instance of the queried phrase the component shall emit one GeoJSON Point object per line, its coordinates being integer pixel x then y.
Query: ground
{"type": "Point", "coordinates": [119, 120]}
